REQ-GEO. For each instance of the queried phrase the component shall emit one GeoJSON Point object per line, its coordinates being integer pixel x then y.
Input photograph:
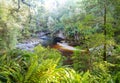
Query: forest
{"type": "Point", "coordinates": [59, 41]}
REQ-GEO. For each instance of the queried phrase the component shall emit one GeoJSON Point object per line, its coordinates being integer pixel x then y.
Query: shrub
{"type": "Point", "coordinates": [41, 66]}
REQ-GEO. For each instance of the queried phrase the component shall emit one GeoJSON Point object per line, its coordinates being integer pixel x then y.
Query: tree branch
{"type": "Point", "coordinates": [18, 4]}
{"type": "Point", "coordinates": [23, 1]}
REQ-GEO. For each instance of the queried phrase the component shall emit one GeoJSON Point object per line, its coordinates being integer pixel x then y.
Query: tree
{"type": "Point", "coordinates": [103, 18]}
{"type": "Point", "coordinates": [11, 21]}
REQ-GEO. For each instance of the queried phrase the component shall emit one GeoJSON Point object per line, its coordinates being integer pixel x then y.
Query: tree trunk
{"type": "Point", "coordinates": [105, 45]}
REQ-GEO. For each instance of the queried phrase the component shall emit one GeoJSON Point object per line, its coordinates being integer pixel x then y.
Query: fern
{"type": "Point", "coordinates": [32, 67]}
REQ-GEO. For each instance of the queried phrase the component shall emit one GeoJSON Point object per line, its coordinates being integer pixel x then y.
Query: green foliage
{"type": "Point", "coordinates": [86, 77]}
{"type": "Point", "coordinates": [50, 73]}
{"type": "Point", "coordinates": [45, 68]}
{"type": "Point", "coordinates": [101, 72]}
{"type": "Point", "coordinates": [47, 53]}
{"type": "Point", "coordinates": [24, 67]}
{"type": "Point", "coordinates": [12, 66]}
{"type": "Point", "coordinates": [31, 68]}
{"type": "Point", "coordinates": [10, 23]}
{"type": "Point", "coordinates": [117, 77]}
{"type": "Point", "coordinates": [82, 22]}
{"type": "Point", "coordinates": [83, 61]}
{"type": "Point", "coordinates": [92, 40]}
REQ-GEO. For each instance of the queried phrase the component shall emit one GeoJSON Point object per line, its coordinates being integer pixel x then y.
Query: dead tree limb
{"type": "Point", "coordinates": [24, 2]}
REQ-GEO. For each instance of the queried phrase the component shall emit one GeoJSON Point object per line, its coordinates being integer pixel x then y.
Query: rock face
{"type": "Point", "coordinates": [60, 34]}
{"type": "Point", "coordinates": [45, 41]}
{"type": "Point", "coordinates": [43, 38]}
{"type": "Point", "coordinates": [100, 48]}
{"type": "Point", "coordinates": [29, 44]}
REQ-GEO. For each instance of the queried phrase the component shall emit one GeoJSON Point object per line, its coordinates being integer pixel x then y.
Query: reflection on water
{"type": "Point", "coordinates": [65, 46]}
{"type": "Point", "coordinates": [66, 50]}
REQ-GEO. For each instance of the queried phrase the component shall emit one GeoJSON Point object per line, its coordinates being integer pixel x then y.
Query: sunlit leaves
{"type": "Point", "coordinates": [11, 22]}
{"type": "Point", "coordinates": [102, 71]}
{"type": "Point", "coordinates": [4, 11]}
{"type": "Point", "coordinates": [44, 67]}
{"type": "Point", "coordinates": [95, 40]}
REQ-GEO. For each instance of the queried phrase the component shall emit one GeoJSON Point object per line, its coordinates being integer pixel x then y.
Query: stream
{"type": "Point", "coordinates": [29, 44]}
{"type": "Point", "coordinates": [45, 41]}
